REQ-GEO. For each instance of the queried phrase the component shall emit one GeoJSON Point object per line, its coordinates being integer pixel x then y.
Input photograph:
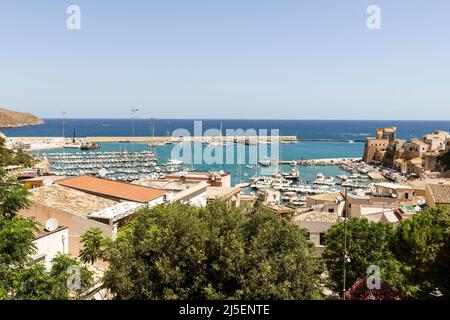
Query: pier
{"type": "Point", "coordinates": [318, 162]}
{"type": "Point", "coordinates": [284, 139]}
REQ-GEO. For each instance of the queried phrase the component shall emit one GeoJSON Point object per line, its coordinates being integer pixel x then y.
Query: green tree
{"type": "Point", "coordinates": [444, 160]}
{"type": "Point", "coordinates": [30, 282]}
{"type": "Point", "coordinates": [217, 252]}
{"type": "Point", "coordinates": [64, 269]}
{"type": "Point", "coordinates": [421, 243]}
{"type": "Point", "coordinates": [93, 246]}
{"type": "Point", "coordinates": [10, 157]}
{"type": "Point", "coordinates": [368, 243]}
{"type": "Point", "coordinates": [22, 278]}
{"type": "Point", "coordinates": [16, 240]}
{"type": "Point", "coordinates": [13, 195]}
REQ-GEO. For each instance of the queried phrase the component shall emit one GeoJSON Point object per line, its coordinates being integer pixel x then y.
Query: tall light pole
{"type": "Point", "coordinates": [346, 257]}
{"type": "Point", "coordinates": [63, 114]}
{"type": "Point", "coordinates": [153, 126]}
{"type": "Point", "coordinates": [133, 111]}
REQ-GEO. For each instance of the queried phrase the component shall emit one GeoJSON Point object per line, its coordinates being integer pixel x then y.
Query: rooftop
{"type": "Point", "coordinates": [331, 197]}
{"type": "Point", "coordinates": [380, 213]}
{"type": "Point", "coordinates": [418, 142]}
{"type": "Point", "coordinates": [117, 212]}
{"type": "Point", "coordinates": [113, 189]}
{"type": "Point", "coordinates": [280, 209]}
{"type": "Point", "coordinates": [315, 216]}
{"type": "Point", "coordinates": [222, 192]}
{"type": "Point", "coordinates": [41, 233]}
{"type": "Point", "coordinates": [440, 192]}
{"type": "Point", "coordinates": [43, 178]}
{"type": "Point", "coordinates": [198, 174]}
{"type": "Point", "coordinates": [393, 186]}
{"type": "Point", "coordinates": [69, 200]}
{"type": "Point", "coordinates": [167, 184]}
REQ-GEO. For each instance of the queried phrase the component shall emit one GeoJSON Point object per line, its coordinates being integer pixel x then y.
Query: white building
{"type": "Point", "coordinates": [49, 243]}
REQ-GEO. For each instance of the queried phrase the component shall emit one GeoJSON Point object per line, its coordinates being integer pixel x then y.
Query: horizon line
{"type": "Point", "coordinates": [243, 119]}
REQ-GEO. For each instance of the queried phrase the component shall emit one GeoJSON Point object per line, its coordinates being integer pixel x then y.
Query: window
{"type": "Point", "coordinates": [40, 258]}
{"type": "Point", "coordinates": [406, 196]}
{"type": "Point", "coordinates": [322, 239]}
{"type": "Point", "coordinates": [331, 210]}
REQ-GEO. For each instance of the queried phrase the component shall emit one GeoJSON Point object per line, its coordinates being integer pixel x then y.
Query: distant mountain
{"type": "Point", "coordinates": [13, 119]}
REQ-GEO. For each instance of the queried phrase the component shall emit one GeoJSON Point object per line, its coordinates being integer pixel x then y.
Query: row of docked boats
{"type": "Point", "coordinates": [120, 165]}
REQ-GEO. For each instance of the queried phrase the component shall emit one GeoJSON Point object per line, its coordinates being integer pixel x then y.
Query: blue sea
{"type": "Point", "coordinates": [303, 129]}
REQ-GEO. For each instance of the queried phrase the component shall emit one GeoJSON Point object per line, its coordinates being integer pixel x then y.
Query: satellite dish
{"type": "Point", "coordinates": [103, 172]}
{"type": "Point", "coordinates": [51, 225]}
{"type": "Point", "coordinates": [47, 182]}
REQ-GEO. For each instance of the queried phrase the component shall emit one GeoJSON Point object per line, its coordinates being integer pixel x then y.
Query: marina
{"type": "Point", "coordinates": [292, 179]}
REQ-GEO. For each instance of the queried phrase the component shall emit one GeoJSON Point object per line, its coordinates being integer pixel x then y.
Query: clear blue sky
{"type": "Point", "coordinates": [276, 59]}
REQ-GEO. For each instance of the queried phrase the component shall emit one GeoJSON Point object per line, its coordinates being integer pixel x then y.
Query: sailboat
{"type": "Point", "coordinates": [240, 184]}
{"type": "Point", "coordinates": [155, 143]}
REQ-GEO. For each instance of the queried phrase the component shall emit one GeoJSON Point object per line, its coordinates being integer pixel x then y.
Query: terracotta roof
{"type": "Point", "coordinates": [112, 189]}
{"type": "Point", "coordinates": [440, 193]}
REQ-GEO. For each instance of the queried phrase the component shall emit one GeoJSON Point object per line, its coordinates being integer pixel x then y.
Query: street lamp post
{"type": "Point", "coordinates": [133, 111]}
{"type": "Point", "coordinates": [346, 257]}
{"type": "Point", "coordinates": [63, 134]}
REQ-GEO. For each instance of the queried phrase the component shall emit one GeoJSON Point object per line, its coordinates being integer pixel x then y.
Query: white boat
{"type": "Point", "coordinates": [320, 179]}
{"type": "Point", "coordinates": [293, 175]}
{"type": "Point", "coordinates": [243, 185]}
{"type": "Point", "coordinates": [265, 162]}
{"type": "Point", "coordinates": [72, 146]}
{"type": "Point", "coordinates": [174, 162]}
{"type": "Point", "coordinates": [157, 144]}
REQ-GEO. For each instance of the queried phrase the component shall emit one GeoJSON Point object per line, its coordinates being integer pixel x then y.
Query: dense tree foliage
{"type": "Point", "coordinates": [444, 160]}
{"type": "Point", "coordinates": [22, 278]}
{"type": "Point", "coordinates": [217, 252]}
{"type": "Point", "coordinates": [13, 195]}
{"type": "Point", "coordinates": [359, 291]}
{"type": "Point", "coordinates": [368, 243]}
{"type": "Point", "coordinates": [93, 246]}
{"type": "Point", "coordinates": [414, 257]}
{"type": "Point", "coordinates": [422, 244]}
{"type": "Point", "coordinates": [9, 157]}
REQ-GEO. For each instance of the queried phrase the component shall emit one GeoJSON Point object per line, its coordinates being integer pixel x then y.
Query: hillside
{"type": "Point", "coordinates": [12, 119]}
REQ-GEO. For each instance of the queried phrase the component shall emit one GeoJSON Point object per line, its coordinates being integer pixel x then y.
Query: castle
{"type": "Point", "coordinates": [416, 156]}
